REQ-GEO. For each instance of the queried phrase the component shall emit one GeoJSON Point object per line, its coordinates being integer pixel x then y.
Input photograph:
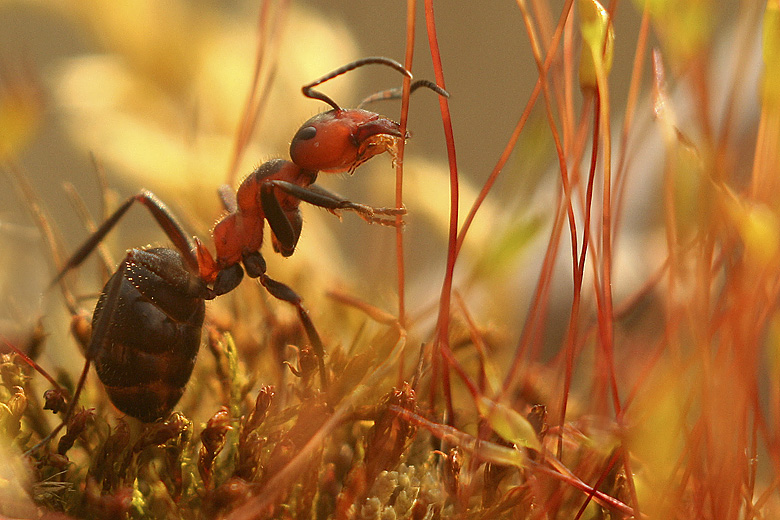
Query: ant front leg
{"type": "Point", "coordinates": [318, 196]}
{"type": "Point", "coordinates": [367, 213]}
{"type": "Point", "coordinates": [285, 224]}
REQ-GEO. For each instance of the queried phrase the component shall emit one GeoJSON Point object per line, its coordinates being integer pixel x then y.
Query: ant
{"type": "Point", "coordinates": [148, 319]}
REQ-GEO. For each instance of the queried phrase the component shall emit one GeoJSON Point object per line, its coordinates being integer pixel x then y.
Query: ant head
{"type": "Point", "coordinates": [341, 140]}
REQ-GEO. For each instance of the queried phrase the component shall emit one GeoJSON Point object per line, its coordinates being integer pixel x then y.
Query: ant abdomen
{"type": "Point", "coordinates": [147, 352]}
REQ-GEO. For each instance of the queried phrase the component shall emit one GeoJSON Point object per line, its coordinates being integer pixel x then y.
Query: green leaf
{"type": "Point", "coordinates": [501, 253]}
{"type": "Point", "coordinates": [508, 423]}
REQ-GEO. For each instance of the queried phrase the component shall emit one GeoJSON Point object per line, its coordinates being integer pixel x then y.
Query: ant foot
{"type": "Point", "coordinates": [390, 211]}
{"type": "Point", "coordinates": [383, 221]}
{"type": "Point", "coordinates": [369, 214]}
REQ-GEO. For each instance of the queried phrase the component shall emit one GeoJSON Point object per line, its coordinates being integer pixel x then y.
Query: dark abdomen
{"type": "Point", "coordinates": [148, 353]}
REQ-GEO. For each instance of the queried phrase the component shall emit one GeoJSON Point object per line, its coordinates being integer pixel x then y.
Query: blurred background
{"type": "Point", "coordinates": [152, 93]}
{"type": "Point", "coordinates": [155, 91]}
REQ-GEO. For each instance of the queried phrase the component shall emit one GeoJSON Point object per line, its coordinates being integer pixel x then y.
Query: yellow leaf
{"type": "Point", "coordinates": [770, 81]}
{"type": "Point", "coordinates": [598, 38]}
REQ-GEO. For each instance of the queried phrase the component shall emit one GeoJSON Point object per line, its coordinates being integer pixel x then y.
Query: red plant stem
{"type": "Point", "coordinates": [628, 119]}
{"type": "Point", "coordinates": [476, 339]}
{"type": "Point", "coordinates": [606, 311]}
{"type": "Point", "coordinates": [543, 285]}
{"type": "Point", "coordinates": [411, 7]}
{"type": "Point", "coordinates": [573, 329]}
{"type": "Point", "coordinates": [502, 160]}
{"type": "Point", "coordinates": [538, 301]}
{"type": "Point", "coordinates": [555, 469]}
{"type": "Point", "coordinates": [554, 132]}
{"type": "Point", "coordinates": [567, 194]}
{"type": "Point", "coordinates": [443, 321]}
{"type": "Point", "coordinates": [610, 464]}
{"type": "Point", "coordinates": [744, 42]}
{"type": "Point", "coordinates": [38, 368]}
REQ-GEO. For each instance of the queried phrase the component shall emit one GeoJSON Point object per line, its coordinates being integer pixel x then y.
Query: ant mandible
{"type": "Point", "coordinates": [147, 322]}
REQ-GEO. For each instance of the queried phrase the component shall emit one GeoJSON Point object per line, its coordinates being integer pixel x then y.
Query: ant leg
{"type": "Point", "coordinates": [254, 263]}
{"type": "Point", "coordinates": [68, 413]}
{"type": "Point", "coordinates": [161, 214]}
{"type": "Point", "coordinates": [364, 211]}
{"type": "Point", "coordinates": [228, 279]}
{"type": "Point", "coordinates": [318, 196]}
{"type": "Point", "coordinates": [56, 399]}
{"type": "Point", "coordinates": [99, 330]}
{"type": "Point", "coordinates": [286, 225]}
{"type": "Point", "coordinates": [283, 292]}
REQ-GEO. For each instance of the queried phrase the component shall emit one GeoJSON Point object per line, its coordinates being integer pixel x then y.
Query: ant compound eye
{"type": "Point", "coordinates": [305, 133]}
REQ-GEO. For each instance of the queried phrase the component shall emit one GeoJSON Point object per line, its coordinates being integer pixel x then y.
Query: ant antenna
{"type": "Point", "coordinates": [315, 94]}
{"type": "Point", "coordinates": [396, 93]}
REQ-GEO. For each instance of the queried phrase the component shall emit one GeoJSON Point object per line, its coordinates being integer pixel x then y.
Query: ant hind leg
{"type": "Point", "coordinates": [161, 214]}
{"type": "Point", "coordinates": [254, 263]}
{"type": "Point", "coordinates": [283, 292]}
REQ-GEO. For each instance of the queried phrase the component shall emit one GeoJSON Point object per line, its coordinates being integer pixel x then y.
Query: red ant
{"type": "Point", "coordinates": [147, 322]}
